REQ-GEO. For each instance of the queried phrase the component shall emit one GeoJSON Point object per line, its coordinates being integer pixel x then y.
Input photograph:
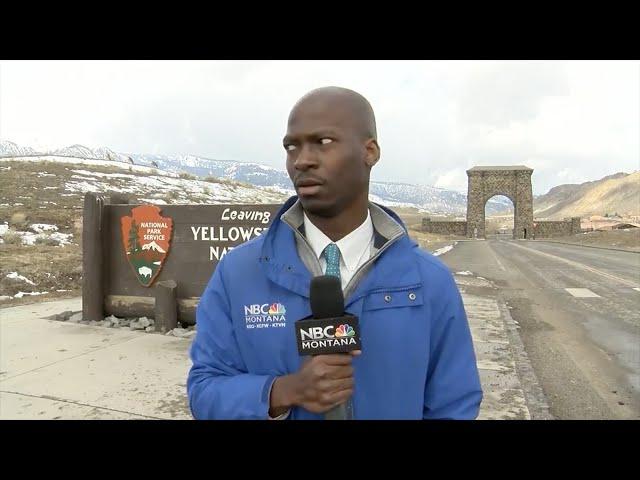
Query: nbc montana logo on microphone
{"type": "Point", "coordinates": [265, 315]}
{"type": "Point", "coordinates": [327, 337]}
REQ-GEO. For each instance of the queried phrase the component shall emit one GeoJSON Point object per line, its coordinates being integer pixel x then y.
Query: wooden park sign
{"type": "Point", "coordinates": [156, 260]}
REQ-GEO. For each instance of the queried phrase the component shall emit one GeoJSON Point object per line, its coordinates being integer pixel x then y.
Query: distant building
{"type": "Point", "coordinates": [623, 225]}
{"type": "Point", "coordinates": [614, 225]}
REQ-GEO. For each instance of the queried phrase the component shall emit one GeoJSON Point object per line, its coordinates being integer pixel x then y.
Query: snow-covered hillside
{"type": "Point", "coordinates": [426, 198]}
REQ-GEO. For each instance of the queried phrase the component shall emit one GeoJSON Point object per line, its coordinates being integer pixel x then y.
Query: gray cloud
{"type": "Point", "coordinates": [500, 94]}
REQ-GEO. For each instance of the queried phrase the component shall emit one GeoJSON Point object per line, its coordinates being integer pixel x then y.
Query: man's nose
{"type": "Point", "coordinates": [307, 158]}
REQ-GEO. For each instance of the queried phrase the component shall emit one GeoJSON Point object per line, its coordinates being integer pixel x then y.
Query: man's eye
{"type": "Point", "coordinates": [324, 141]}
{"type": "Point", "coordinates": [289, 147]}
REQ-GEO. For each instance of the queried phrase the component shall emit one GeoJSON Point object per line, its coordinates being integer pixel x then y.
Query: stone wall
{"type": "Point", "coordinates": [556, 228]}
{"type": "Point", "coordinates": [444, 227]}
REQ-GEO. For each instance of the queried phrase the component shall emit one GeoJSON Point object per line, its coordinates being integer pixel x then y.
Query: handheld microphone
{"type": "Point", "coordinates": [329, 330]}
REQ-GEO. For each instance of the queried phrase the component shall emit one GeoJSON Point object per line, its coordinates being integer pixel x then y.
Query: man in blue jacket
{"type": "Point", "coordinates": [417, 359]}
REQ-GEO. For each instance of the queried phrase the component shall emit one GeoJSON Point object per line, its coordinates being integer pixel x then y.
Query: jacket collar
{"type": "Point", "coordinates": [386, 224]}
{"type": "Point", "coordinates": [394, 268]}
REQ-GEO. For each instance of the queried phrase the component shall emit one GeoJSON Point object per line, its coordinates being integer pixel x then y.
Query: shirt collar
{"type": "Point", "coordinates": [351, 246]}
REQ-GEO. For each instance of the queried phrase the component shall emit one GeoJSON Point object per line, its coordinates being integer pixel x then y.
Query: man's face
{"type": "Point", "coordinates": [326, 157]}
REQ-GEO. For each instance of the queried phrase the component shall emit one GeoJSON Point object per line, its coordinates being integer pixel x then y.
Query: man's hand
{"type": "Point", "coordinates": [322, 383]}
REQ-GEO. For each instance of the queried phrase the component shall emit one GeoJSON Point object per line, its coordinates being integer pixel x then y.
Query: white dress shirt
{"type": "Point", "coordinates": [355, 248]}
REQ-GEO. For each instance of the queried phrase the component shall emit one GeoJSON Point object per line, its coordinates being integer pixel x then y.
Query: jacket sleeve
{"type": "Point", "coordinates": [218, 384]}
{"type": "Point", "coordinates": [453, 389]}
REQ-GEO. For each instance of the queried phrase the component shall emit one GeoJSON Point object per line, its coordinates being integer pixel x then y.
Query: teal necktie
{"type": "Point", "coordinates": [332, 255]}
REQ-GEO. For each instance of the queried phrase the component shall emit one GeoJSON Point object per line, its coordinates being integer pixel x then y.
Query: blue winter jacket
{"type": "Point", "coordinates": [417, 360]}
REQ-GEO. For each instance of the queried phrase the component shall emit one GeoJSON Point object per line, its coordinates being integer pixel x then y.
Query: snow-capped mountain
{"type": "Point", "coordinates": [10, 149]}
{"type": "Point", "coordinates": [433, 199]}
{"type": "Point", "coordinates": [252, 173]}
{"type": "Point", "coordinates": [429, 199]}
{"type": "Point", "coordinates": [101, 153]}
{"type": "Point", "coordinates": [79, 151]}
{"type": "Point", "coordinates": [257, 174]}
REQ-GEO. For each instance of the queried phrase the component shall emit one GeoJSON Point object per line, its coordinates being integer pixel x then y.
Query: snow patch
{"type": "Point", "coordinates": [80, 177]}
{"type": "Point", "coordinates": [442, 250]}
{"type": "Point", "coordinates": [103, 175]}
{"type": "Point", "coordinates": [43, 227]}
{"type": "Point", "coordinates": [28, 238]}
{"type": "Point", "coordinates": [22, 294]}
{"type": "Point", "coordinates": [82, 187]}
{"type": "Point", "coordinates": [62, 238]}
{"type": "Point", "coordinates": [17, 276]}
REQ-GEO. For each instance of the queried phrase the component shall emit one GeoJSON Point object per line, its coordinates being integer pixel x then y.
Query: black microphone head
{"type": "Point", "coordinates": [325, 296]}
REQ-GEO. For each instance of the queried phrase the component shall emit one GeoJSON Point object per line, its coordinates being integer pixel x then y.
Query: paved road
{"type": "Point", "coordinates": [579, 313]}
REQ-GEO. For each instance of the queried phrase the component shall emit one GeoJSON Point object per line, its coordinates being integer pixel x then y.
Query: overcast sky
{"type": "Point", "coordinates": [569, 121]}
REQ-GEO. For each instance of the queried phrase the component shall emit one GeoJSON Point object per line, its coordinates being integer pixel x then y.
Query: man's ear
{"type": "Point", "coordinates": [373, 152]}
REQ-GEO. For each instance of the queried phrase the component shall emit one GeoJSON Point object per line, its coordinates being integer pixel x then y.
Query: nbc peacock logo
{"type": "Point", "coordinates": [345, 330]}
{"type": "Point", "coordinates": [277, 309]}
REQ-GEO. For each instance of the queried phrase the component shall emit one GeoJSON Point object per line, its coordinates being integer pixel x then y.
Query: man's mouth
{"type": "Point", "coordinates": [308, 187]}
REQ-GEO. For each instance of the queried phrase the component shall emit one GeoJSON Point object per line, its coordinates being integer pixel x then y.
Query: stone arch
{"type": "Point", "coordinates": [514, 182]}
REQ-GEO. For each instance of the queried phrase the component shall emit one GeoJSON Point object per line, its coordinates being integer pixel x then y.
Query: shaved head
{"type": "Point", "coordinates": [351, 106]}
{"type": "Point", "coordinates": [331, 144]}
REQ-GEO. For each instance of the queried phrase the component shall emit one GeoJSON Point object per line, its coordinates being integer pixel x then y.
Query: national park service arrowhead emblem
{"type": "Point", "coordinates": [146, 237]}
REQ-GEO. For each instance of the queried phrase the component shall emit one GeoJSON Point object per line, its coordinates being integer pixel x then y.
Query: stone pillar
{"type": "Point", "coordinates": [576, 225]}
{"type": "Point", "coordinates": [92, 258]}
{"type": "Point", "coordinates": [523, 212]}
{"type": "Point", "coordinates": [166, 306]}
{"type": "Point", "coordinates": [475, 204]}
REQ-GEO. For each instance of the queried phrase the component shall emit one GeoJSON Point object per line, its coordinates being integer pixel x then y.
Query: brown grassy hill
{"type": "Point", "coordinates": [615, 194]}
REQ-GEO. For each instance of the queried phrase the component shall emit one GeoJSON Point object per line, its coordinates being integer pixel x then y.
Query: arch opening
{"type": "Point", "coordinates": [499, 217]}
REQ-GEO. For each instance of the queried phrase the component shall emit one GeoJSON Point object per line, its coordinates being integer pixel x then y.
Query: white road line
{"type": "Point", "coordinates": [496, 257]}
{"type": "Point", "coordinates": [579, 265]}
{"type": "Point", "coordinates": [637, 289]}
{"type": "Point", "coordinates": [582, 293]}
